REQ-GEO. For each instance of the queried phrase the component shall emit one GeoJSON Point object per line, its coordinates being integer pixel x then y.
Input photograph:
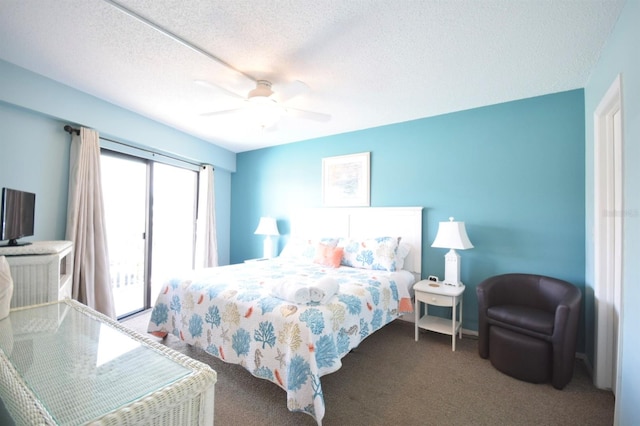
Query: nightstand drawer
{"type": "Point", "coordinates": [434, 299]}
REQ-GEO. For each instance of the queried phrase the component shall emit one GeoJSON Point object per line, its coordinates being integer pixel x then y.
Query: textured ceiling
{"type": "Point", "coordinates": [367, 63]}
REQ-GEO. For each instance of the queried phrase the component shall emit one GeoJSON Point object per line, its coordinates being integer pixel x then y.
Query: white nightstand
{"type": "Point", "coordinates": [439, 294]}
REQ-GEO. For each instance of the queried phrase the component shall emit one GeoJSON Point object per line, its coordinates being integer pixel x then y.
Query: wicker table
{"type": "Point", "coordinates": [64, 363]}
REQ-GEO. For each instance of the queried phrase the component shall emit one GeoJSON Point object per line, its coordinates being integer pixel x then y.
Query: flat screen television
{"type": "Point", "coordinates": [17, 216]}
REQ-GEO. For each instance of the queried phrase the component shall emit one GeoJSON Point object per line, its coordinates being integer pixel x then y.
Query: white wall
{"type": "Point", "coordinates": [620, 56]}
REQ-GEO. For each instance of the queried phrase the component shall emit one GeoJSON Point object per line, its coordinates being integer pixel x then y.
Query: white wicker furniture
{"type": "Point", "coordinates": [42, 272]}
{"type": "Point", "coordinates": [64, 363]}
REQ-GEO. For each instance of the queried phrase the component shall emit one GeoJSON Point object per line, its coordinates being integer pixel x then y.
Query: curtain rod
{"type": "Point", "coordinates": [72, 130]}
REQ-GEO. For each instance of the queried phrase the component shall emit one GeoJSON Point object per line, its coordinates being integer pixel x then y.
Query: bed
{"type": "Point", "coordinates": [248, 314]}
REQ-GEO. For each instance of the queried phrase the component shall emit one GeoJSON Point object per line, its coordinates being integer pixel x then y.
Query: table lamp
{"type": "Point", "coordinates": [269, 228]}
{"type": "Point", "coordinates": [452, 235]}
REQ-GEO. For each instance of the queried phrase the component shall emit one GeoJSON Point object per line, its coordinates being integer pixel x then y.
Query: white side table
{"type": "Point", "coordinates": [42, 272]}
{"type": "Point", "coordinates": [439, 294]}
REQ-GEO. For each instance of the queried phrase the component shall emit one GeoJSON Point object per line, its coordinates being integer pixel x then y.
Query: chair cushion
{"type": "Point", "coordinates": [523, 317]}
{"type": "Point", "coordinates": [523, 357]}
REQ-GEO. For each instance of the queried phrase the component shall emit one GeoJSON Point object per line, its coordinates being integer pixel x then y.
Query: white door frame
{"type": "Point", "coordinates": [608, 215]}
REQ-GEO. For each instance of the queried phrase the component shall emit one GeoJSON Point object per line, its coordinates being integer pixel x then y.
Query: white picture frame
{"type": "Point", "coordinates": [346, 180]}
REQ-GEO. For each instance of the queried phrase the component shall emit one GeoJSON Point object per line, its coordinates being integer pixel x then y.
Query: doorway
{"type": "Point", "coordinates": [150, 215]}
{"type": "Point", "coordinates": [608, 223]}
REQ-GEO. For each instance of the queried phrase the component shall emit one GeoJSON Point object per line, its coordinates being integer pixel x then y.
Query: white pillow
{"type": "Point", "coordinates": [401, 254]}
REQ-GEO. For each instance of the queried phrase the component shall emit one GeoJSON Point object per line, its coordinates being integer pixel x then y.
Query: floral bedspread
{"type": "Point", "coordinates": [229, 312]}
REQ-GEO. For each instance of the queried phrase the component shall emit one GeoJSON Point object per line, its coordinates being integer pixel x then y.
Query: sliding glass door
{"type": "Point", "coordinates": [124, 185]}
{"type": "Point", "coordinates": [150, 218]}
{"type": "Point", "coordinates": [174, 222]}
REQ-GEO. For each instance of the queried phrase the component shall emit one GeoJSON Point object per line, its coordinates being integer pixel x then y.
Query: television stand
{"type": "Point", "coordinates": [42, 271]}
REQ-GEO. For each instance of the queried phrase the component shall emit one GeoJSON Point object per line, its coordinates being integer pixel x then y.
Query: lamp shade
{"type": "Point", "coordinates": [452, 235]}
{"type": "Point", "coordinates": [267, 226]}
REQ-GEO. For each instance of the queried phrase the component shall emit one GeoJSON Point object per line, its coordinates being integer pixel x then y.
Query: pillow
{"type": "Point", "coordinates": [328, 256]}
{"type": "Point", "coordinates": [305, 249]}
{"type": "Point", "coordinates": [401, 254]}
{"type": "Point", "coordinates": [375, 253]}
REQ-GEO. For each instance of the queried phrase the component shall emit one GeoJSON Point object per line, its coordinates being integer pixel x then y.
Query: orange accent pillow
{"type": "Point", "coordinates": [328, 256]}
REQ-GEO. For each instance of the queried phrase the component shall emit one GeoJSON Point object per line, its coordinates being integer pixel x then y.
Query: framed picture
{"type": "Point", "coordinates": [345, 180]}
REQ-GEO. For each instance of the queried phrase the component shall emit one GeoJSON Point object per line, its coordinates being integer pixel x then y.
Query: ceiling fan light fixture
{"type": "Point", "coordinates": [262, 100]}
{"type": "Point", "coordinates": [263, 89]}
{"type": "Point", "coordinates": [264, 111]}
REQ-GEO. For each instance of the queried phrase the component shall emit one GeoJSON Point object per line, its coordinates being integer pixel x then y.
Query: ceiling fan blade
{"type": "Point", "coordinates": [223, 112]}
{"type": "Point", "coordinates": [308, 115]}
{"type": "Point", "coordinates": [213, 86]}
{"type": "Point", "coordinates": [290, 90]}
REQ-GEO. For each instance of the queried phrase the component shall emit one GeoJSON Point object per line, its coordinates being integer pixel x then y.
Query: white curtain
{"type": "Point", "coordinates": [206, 240]}
{"type": "Point", "coordinates": [86, 226]}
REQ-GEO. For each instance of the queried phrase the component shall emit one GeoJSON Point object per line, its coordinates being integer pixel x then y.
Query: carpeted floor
{"type": "Point", "coordinates": [392, 380]}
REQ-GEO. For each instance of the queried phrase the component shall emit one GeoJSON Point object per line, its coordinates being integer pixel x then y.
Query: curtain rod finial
{"type": "Point", "coordinates": [70, 129]}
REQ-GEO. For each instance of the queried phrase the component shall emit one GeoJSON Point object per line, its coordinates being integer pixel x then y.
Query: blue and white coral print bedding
{"type": "Point", "coordinates": [230, 312]}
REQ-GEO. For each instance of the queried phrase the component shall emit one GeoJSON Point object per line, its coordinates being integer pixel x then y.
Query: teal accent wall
{"type": "Point", "coordinates": [34, 148]}
{"type": "Point", "coordinates": [513, 172]}
{"type": "Point", "coordinates": [620, 57]}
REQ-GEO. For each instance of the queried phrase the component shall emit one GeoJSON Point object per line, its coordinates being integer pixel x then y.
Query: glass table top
{"type": "Point", "coordinates": [78, 367]}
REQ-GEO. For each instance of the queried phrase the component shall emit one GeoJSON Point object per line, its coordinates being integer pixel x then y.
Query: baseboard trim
{"type": "Point", "coordinates": [469, 333]}
{"type": "Point", "coordinates": [583, 357]}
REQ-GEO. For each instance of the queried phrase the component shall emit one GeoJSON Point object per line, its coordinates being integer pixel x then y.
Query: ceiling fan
{"type": "Point", "coordinates": [263, 106]}
{"type": "Point", "coordinates": [260, 102]}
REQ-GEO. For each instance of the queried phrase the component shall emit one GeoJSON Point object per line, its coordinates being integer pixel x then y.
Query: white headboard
{"type": "Point", "coordinates": [364, 222]}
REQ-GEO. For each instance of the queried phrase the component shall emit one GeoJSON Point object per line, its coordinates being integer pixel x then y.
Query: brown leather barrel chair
{"type": "Point", "coordinates": [528, 326]}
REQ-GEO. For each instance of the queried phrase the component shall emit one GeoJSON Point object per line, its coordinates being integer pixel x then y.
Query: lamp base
{"type": "Point", "coordinates": [267, 248]}
{"type": "Point", "coordinates": [452, 269]}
